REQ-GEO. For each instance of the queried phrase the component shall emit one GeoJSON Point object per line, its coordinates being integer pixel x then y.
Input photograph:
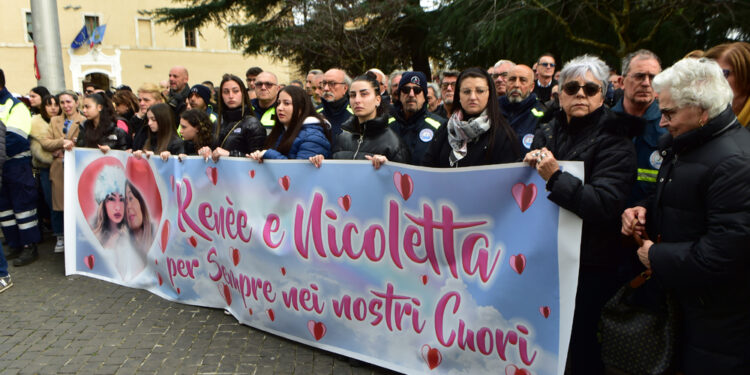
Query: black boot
{"type": "Point", "coordinates": [12, 253]}
{"type": "Point", "coordinates": [28, 255]}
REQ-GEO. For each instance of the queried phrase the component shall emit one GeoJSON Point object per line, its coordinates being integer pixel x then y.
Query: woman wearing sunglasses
{"type": "Point", "coordinates": [588, 131]}
{"type": "Point", "coordinates": [476, 133]}
{"type": "Point", "coordinates": [734, 60]}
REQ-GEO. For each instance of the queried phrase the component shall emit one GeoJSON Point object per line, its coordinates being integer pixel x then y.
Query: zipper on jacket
{"type": "Point", "coordinates": [359, 142]}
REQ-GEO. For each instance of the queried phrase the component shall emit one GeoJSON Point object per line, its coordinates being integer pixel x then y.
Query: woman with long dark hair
{"type": "Point", "coordinates": [366, 135]}
{"type": "Point", "coordinates": [196, 130]}
{"type": "Point", "coordinates": [238, 132]}
{"type": "Point", "coordinates": [476, 133]}
{"type": "Point", "coordinates": [99, 129]}
{"type": "Point", "coordinates": [161, 138]}
{"type": "Point", "coordinates": [35, 99]}
{"type": "Point", "coordinates": [42, 159]}
{"type": "Point", "coordinates": [298, 132]}
{"type": "Point", "coordinates": [126, 104]}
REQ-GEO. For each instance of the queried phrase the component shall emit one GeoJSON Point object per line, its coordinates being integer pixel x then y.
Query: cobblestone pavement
{"type": "Point", "coordinates": [53, 324]}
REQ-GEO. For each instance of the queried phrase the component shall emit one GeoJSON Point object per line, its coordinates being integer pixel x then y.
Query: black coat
{"type": "Point", "coordinates": [504, 150]}
{"type": "Point", "coordinates": [417, 131]}
{"type": "Point", "coordinates": [701, 211]}
{"type": "Point", "coordinates": [114, 137]}
{"type": "Point", "coordinates": [240, 135]}
{"type": "Point", "coordinates": [601, 140]}
{"type": "Point", "coordinates": [372, 137]}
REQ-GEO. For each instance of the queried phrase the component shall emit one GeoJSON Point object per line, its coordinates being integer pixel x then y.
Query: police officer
{"type": "Point", "coordinates": [411, 121]}
{"type": "Point", "coordinates": [520, 106]}
{"type": "Point", "coordinates": [264, 104]}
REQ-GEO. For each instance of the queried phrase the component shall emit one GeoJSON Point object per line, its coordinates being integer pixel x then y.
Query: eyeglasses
{"type": "Point", "coordinates": [547, 65]}
{"type": "Point", "coordinates": [496, 75]}
{"type": "Point", "coordinates": [589, 89]}
{"type": "Point", "coordinates": [264, 84]}
{"type": "Point", "coordinates": [445, 85]}
{"type": "Point", "coordinates": [639, 77]}
{"type": "Point", "coordinates": [331, 83]}
{"type": "Point", "coordinates": [479, 90]}
{"type": "Point", "coordinates": [726, 72]}
{"type": "Point", "coordinates": [407, 89]}
{"type": "Point", "coordinates": [667, 113]}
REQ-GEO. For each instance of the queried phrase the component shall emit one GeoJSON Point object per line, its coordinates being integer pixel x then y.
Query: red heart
{"type": "Point", "coordinates": [317, 329]}
{"type": "Point", "coordinates": [227, 295]}
{"type": "Point", "coordinates": [284, 182]}
{"type": "Point", "coordinates": [518, 263]}
{"type": "Point", "coordinates": [89, 261]}
{"type": "Point", "coordinates": [271, 315]}
{"type": "Point", "coordinates": [345, 202]}
{"type": "Point", "coordinates": [178, 290]}
{"type": "Point", "coordinates": [158, 276]}
{"type": "Point", "coordinates": [252, 173]}
{"type": "Point", "coordinates": [424, 279]}
{"type": "Point", "coordinates": [235, 256]}
{"type": "Point", "coordinates": [193, 241]}
{"type": "Point", "coordinates": [524, 195]}
{"type": "Point", "coordinates": [140, 174]}
{"type": "Point", "coordinates": [250, 310]}
{"type": "Point", "coordinates": [283, 271]}
{"type": "Point", "coordinates": [513, 370]}
{"type": "Point", "coordinates": [404, 185]}
{"type": "Point", "coordinates": [213, 174]}
{"type": "Point", "coordinates": [432, 356]}
{"type": "Point", "coordinates": [544, 310]}
{"type": "Point", "coordinates": [164, 236]}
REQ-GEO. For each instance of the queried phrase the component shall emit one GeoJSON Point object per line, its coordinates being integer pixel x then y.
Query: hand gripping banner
{"type": "Point", "coordinates": [419, 270]}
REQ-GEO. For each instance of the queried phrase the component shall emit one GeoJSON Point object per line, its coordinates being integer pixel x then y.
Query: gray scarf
{"type": "Point", "coordinates": [460, 133]}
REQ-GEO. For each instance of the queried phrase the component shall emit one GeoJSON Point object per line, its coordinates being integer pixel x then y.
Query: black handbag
{"type": "Point", "coordinates": [638, 338]}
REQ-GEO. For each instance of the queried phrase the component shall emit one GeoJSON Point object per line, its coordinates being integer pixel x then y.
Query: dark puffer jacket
{"type": "Point", "coordinates": [311, 140]}
{"type": "Point", "coordinates": [601, 140]}
{"type": "Point", "coordinates": [240, 133]}
{"type": "Point", "coordinates": [701, 211]}
{"type": "Point", "coordinates": [417, 131]}
{"type": "Point", "coordinates": [114, 137]}
{"type": "Point", "coordinates": [370, 138]}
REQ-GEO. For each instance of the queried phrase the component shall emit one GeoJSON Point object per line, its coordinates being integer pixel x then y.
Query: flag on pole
{"type": "Point", "coordinates": [97, 35]}
{"type": "Point", "coordinates": [36, 66]}
{"type": "Point", "coordinates": [81, 38]}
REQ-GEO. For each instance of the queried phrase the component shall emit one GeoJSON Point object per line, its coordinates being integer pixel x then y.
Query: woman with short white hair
{"type": "Point", "coordinates": [586, 130]}
{"type": "Point", "coordinates": [700, 217]}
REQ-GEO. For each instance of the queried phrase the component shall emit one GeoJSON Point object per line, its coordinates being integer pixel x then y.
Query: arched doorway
{"type": "Point", "coordinates": [100, 80]}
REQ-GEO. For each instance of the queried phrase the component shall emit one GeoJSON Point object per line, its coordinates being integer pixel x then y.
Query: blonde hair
{"type": "Point", "coordinates": [154, 90]}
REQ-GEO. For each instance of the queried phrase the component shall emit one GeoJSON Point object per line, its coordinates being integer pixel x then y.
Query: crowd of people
{"type": "Point", "coordinates": [666, 157]}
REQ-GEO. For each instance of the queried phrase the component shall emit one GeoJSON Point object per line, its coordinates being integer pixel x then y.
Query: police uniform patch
{"type": "Point", "coordinates": [238, 130]}
{"type": "Point", "coordinates": [426, 135]}
{"type": "Point", "coordinates": [655, 159]}
{"type": "Point", "coordinates": [415, 80]}
{"type": "Point", "coordinates": [527, 140]}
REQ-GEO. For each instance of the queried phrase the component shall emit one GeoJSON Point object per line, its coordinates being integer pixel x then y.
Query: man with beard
{"type": "Point", "coordinates": [499, 75]}
{"type": "Point", "coordinates": [311, 85]}
{"type": "Point", "coordinates": [335, 106]}
{"type": "Point", "coordinates": [200, 98]}
{"type": "Point", "coordinates": [412, 122]}
{"type": "Point", "coordinates": [178, 90]}
{"type": "Point", "coordinates": [448, 80]}
{"type": "Point", "coordinates": [638, 71]}
{"type": "Point", "coordinates": [520, 105]}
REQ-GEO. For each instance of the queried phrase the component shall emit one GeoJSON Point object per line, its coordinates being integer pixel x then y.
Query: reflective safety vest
{"type": "Point", "coordinates": [268, 118]}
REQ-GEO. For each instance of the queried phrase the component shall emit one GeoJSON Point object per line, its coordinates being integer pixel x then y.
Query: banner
{"type": "Point", "coordinates": [419, 270]}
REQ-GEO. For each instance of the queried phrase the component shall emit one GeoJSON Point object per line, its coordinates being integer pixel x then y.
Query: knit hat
{"type": "Point", "coordinates": [111, 179]}
{"type": "Point", "coordinates": [202, 91]}
{"type": "Point", "coordinates": [417, 78]}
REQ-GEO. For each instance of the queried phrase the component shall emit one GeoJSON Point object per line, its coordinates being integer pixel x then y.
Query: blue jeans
{"type": "Point", "coordinates": [56, 217]}
{"type": "Point", "coordinates": [3, 263]}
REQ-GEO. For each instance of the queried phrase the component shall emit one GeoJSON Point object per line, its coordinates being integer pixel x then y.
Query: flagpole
{"type": "Point", "coordinates": [46, 29]}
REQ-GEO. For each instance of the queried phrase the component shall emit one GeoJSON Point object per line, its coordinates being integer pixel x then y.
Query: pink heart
{"type": "Point", "coordinates": [213, 174]}
{"type": "Point", "coordinates": [404, 184]}
{"type": "Point", "coordinates": [317, 329]}
{"type": "Point", "coordinates": [164, 236]}
{"type": "Point", "coordinates": [284, 182]}
{"type": "Point", "coordinates": [226, 293]}
{"type": "Point", "coordinates": [513, 370]}
{"type": "Point", "coordinates": [271, 315]}
{"type": "Point", "coordinates": [544, 310]}
{"type": "Point", "coordinates": [524, 195]}
{"type": "Point", "coordinates": [193, 242]}
{"type": "Point", "coordinates": [252, 173]}
{"type": "Point", "coordinates": [345, 202]}
{"type": "Point", "coordinates": [89, 261]}
{"type": "Point", "coordinates": [424, 279]}
{"type": "Point", "coordinates": [432, 356]}
{"type": "Point", "coordinates": [250, 310]}
{"type": "Point", "coordinates": [518, 263]}
{"type": "Point", "coordinates": [235, 256]}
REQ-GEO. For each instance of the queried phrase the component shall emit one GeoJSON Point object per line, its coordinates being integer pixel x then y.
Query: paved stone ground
{"type": "Point", "coordinates": [52, 324]}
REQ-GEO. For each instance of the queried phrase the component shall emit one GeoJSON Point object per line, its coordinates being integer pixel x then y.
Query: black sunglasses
{"type": "Point", "coordinates": [590, 88]}
{"type": "Point", "coordinates": [406, 89]}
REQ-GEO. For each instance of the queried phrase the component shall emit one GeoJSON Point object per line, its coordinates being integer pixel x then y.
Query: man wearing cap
{"type": "Point", "coordinates": [335, 106]}
{"type": "Point", "coordinates": [411, 121]}
{"type": "Point", "coordinates": [520, 106]}
{"type": "Point", "coordinates": [264, 104]}
{"type": "Point", "coordinates": [199, 98]}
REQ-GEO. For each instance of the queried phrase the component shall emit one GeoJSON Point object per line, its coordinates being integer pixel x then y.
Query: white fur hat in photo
{"type": "Point", "coordinates": [111, 179]}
